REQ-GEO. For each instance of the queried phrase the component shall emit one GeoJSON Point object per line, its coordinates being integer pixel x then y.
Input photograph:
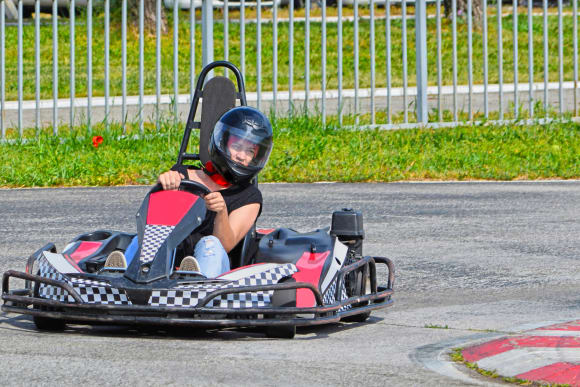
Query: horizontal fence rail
{"type": "Point", "coordinates": [387, 64]}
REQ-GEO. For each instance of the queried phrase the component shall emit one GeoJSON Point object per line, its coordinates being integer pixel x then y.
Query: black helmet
{"type": "Point", "coordinates": [240, 144]}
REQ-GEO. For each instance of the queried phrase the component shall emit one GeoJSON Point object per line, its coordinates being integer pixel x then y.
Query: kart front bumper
{"type": "Point", "coordinates": [24, 301]}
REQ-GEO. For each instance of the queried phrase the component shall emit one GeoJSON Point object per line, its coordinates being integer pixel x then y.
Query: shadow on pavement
{"type": "Point", "coordinates": [22, 323]}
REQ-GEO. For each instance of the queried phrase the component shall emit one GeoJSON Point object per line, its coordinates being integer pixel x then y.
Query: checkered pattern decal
{"type": "Point", "coordinates": [152, 239]}
{"type": "Point", "coordinates": [52, 292]}
{"type": "Point", "coordinates": [190, 295]}
{"type": "Point", "coordinates": [330, 295]}
{"type": "Point", "coordinates": [91, 291]}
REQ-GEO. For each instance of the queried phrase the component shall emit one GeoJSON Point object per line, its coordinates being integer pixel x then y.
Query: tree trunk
{"type": "Point", "coordinates": [148, 15]}
{"type": "Point", "coordinates": [462, 9]}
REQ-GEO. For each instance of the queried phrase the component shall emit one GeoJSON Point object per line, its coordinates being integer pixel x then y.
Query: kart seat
{"type": "Point", "coordinates": [219, 95]}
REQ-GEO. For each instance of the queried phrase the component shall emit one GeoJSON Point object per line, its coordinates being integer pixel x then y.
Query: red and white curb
{"type": "Point", "coordinates": [548, 354]}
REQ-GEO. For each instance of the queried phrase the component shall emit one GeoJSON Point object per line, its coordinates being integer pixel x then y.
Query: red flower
{"type": "Point", "coordinates": [97, 140]}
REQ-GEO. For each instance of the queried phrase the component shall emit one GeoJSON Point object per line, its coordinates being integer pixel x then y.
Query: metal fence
{"type": "Point", "coordinates": [388, 64]}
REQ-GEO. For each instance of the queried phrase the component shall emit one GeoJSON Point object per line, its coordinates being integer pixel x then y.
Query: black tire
{"type": "Point", "coordinates": [49, 324]}
{"type": "Point", "coordinates": [361, 286]}
{"type": "Point", "coordinates": [281, 332]}
{"type": "Point", "coordinates": [362, 317]}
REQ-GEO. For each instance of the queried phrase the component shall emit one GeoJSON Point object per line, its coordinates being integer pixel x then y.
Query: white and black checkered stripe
{"type": "Point", "coordinates": [87, 282]}
{"type": "Point", "coordinates": [190, 295]}
{"type": "Point", "coordinates": [91, 291]}
{"type": "Point", "coordinates": [50, 292]}
{"type": "Point", "coordinates": [329, 296]}
{"type": "Point", "coordinates": [153, 237]}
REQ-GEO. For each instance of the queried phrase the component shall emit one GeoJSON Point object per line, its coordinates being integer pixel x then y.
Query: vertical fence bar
{"type": "Point", "coordinates": [226, 32]}
{"type": "Point", "coordinates": [515, 39]}
{"type": "Point", "coordinates": [89, 64]}
{"type": "Point", "coordinates": [324, 61]}
{"type": "Point", "coordinates": [560, 59]}
{"type": "Point", "coordinates": [470, 58]}
{"type": "Point", "coordinates": [307, 55]}
{"type": "Point", "coordinates": [530, 60]}
{"type": "Point", "coordinates": [36, 62]}
{"type": "Point", "coordinates": [388, 44]}
{"type": "Point", "coordinates": [372, 32]}
{"type": "Point", "coordinates": [421, 61]}
{"type": "Point", "coordinates": [2, 65]}
{"type": "Point", "coordinates": [243, 35]}
{"type": "Point", "coordinates": [575, 43]}
{"type": "Point", "coordinates": [55, 67]}
{"type": "Point", "coordinates": [356, 60]}
{"type": "Point", "coordinates": [158, 65]}
{"type": "Point", "coordinates": [485, 64]}
{"type": "Point", "coordinates": [404, 51]}
{"type": "Point", "coordinates": [207, 33]}
{"type": "Point", "coordinates": [545, 14]}
{"type": "Point", "coordinates": [291, 56]}
{"type": "Point", "coordinates": [192, 49]}
{"type": "Point", "coordinates": [19, 70]}
{"type": "Point", "coordinates": [72, 62]}
{"type": "Point", "coordinates": [259, 52]}
{"type": "Point", "coordinates": [339, 32]}
{"type": "Point", "coordinates": [454, 32]}
{"type": "Point", "coordinates": [141, 62]}
{"type": "Point", "coordinates": [107, 82]}
{"type": "Point", "coordinates": [439, 67]}
{"type": "Point", "coordinates": [124, 64]}
{"type": "Point", "coordinates": [175, 59]}
{"type": "Point", "coordinates": [500, 58]}
{"type": "Point", "coordinates": [275, 52]}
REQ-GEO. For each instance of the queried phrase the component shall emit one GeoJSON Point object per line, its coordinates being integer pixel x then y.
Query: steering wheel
{"type": "Point", "coordinates": [193, 187]}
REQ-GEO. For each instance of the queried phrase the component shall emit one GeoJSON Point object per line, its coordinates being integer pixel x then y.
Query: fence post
{"type": "Point", "coordinates": [207, 32]}
{"type": "Point", "coordinates": [421, 63]}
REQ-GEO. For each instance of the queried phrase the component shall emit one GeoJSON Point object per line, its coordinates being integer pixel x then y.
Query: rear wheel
{"type": "Point", "coordinates": [49, 324]}
{"type": "Point", "coordinates": [281, 331]}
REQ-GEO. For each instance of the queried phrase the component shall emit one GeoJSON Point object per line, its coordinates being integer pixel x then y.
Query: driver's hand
{"type": "Point", "coordinates": [214, 201]}
{"type": "Point", "coordinates": [170, 180]}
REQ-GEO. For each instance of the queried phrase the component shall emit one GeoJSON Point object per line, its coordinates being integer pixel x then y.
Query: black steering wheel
{"type": "Point", "coordinates": [193, 187]}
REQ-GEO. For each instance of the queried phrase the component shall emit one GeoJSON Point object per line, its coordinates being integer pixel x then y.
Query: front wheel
{"type": "Point", "coordinates": [281, 332]}
{"type": "Point", "coordinates": [49, 324]}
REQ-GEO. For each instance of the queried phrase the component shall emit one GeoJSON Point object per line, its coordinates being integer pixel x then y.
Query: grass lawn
{"type": "Point", "coordinates": [307, 151]}
{"type": "Point", "coordinates": [46, 82]}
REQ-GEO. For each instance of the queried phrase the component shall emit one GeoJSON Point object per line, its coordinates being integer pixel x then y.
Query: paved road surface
{"type": "Point", "coordinates": [479, 259]}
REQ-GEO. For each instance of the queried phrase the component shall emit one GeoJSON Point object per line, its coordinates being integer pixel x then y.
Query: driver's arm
{"type": "Point", "coordinates": [231, 228]}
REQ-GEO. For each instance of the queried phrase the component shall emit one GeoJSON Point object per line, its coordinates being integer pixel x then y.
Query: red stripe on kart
{"type": "Point", "coordinates": [309, 268]}
{"type": "Point", "coordinates": [564, 373]}
{"type": "Point", "coordinates": [239, 268]}
{"type": "Point", "coordinates": [167, 208]}
{"type": "Point", "coordinates": [568, 326]}
{"type": "Point", "coordinates": [72, 262]}
{"type": "Point", "coordinates": [84, 250]}
{"type": "Point", "coordinates": [498, 346]}
{"type": "Point", "coordinates": [265, 231]}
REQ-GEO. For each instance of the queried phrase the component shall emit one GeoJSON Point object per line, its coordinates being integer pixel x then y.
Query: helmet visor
{"type": "Point", "coordinates": [245, 147]}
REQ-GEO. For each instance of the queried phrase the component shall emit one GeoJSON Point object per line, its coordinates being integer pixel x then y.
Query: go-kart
{"type": "Point", "coordinates": [280, 278]}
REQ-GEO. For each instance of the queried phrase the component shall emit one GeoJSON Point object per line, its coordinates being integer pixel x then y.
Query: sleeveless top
{"type": "Point", "coordinates": [235, 197]}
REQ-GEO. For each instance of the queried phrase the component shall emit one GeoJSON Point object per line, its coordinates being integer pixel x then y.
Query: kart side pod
{"type": "Point", "coordinates": [347, 226]}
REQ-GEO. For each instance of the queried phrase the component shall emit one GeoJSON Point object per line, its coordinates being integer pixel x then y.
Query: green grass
{"type": "Point", "coordinates": [283, 60]}
{"type": "Point", "coordinates": [306, 151]}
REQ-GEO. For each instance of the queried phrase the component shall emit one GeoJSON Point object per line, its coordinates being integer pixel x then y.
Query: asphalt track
{"type": "Point", "coordinates": [473, 261]}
